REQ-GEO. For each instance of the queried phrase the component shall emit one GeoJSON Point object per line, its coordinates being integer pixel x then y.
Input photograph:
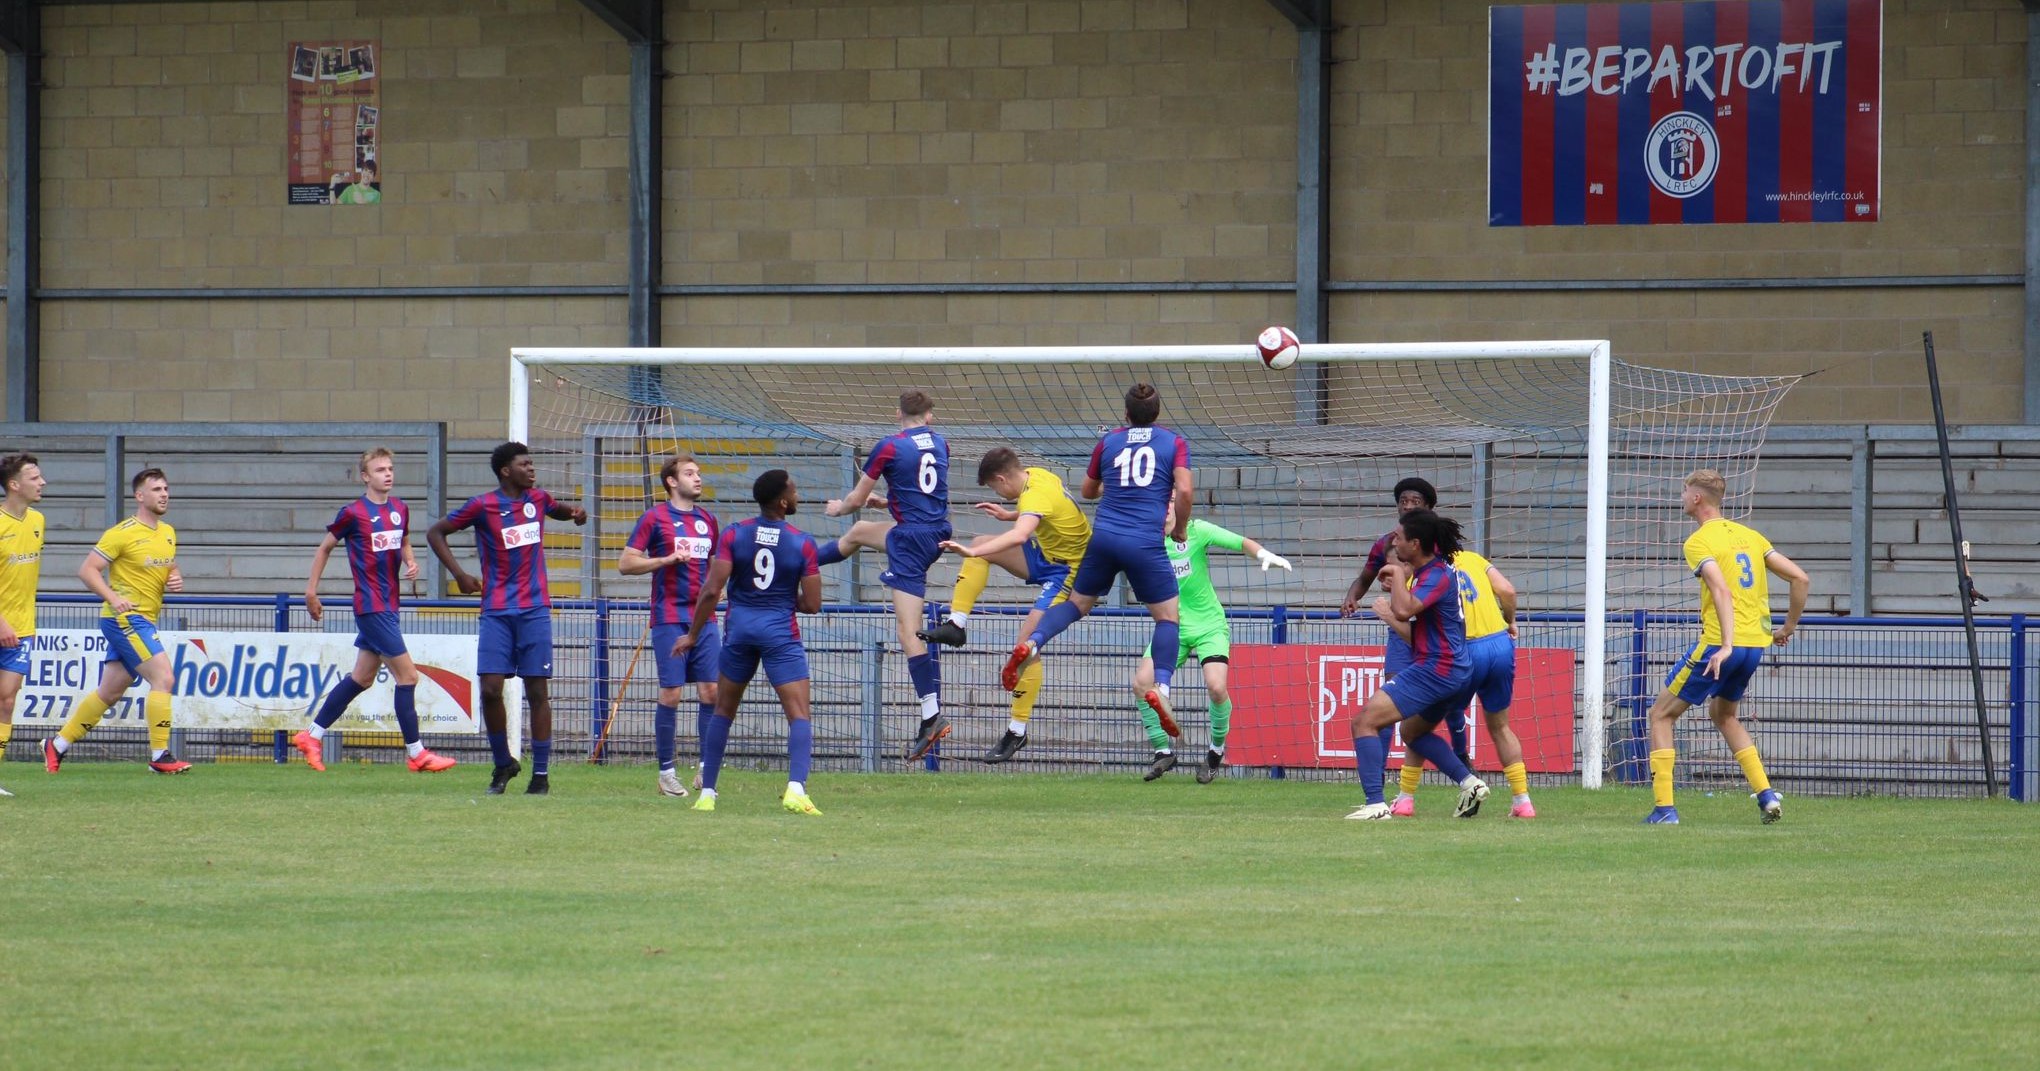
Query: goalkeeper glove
{"type": "Point", "coordinates": [1269, 559]}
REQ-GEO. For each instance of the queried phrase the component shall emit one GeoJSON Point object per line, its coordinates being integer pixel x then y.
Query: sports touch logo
{"type": "Point", "coordinates": [1681, 155]}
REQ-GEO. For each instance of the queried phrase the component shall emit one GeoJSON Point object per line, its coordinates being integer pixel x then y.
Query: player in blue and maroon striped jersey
{"type": "Point", "coordinates": [516, 622]}
{"type": "Point", "coordinates": [673, 541]}
{"type": "Point", "coordinates": [1423, 599]}
{"type": "Point", "coordinates": [376, 529]}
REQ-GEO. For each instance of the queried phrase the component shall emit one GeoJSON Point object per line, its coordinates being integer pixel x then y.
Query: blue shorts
{"type": "Point", "coordinates": [697, 665]}
{"type": "Point", "coordinates": [1494, 670]}
{"type": "Point", "coordinates": [1396, 656]}
{"type": "Point", "coordinates": [515, 643]}
{"type": "Point", "coordinates": [378, 634]}
{"type": "Point", "coordinates": [15, 659]}
{"type": "Point", "coordinates": [1689, 682]}
{"type": "Point", "coordinates": [1144, 562]}
{"type": "Point", "coordinates": [1052, 577]}
{"type": "Point", "coordinates": [1420, 691]}
{"type": "Point", "coordinates": [909, 551]}
{"type": "Point", "coordinates": [785, 660]}
{"type": "Point", "coordinates": [130, 640]}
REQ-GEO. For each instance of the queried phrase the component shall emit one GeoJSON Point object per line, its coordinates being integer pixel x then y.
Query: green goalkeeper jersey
{"type": "Point", "coordinates": [1199, 606]}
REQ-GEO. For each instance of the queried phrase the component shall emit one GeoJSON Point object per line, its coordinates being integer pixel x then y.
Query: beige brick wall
{"type": "Point", "coordinates": [969, 319]}
{"type": "Point", "coordinates": [875, 141]}
{"type": "Point", "coordinates": [164, 133]}
{"type": "Point", "coordinates": [358, 359]}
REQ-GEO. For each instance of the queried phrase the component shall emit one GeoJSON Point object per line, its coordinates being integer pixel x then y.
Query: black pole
{"type": "Point", "coordinates": [1965, 588]}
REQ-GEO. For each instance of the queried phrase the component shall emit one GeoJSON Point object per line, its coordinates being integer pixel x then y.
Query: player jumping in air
{"type": "Point", "coordinates": [1043, 547]}
{"type": "Point", "coordinates": [130, 568]}
{"type": "Point", "coordinates": [1424, 596]}
{"type": "Point", "coordinates": [1487, 605]}
{"type": "Point", "coordinates": [673, 541]}
{"type": "Point", "coordinates": [1206, 636]}
{"type": "Point", "coordinates": [21, 546]}
{"type": "Point", "coordinates": [1733, 563]}
{"type": "Point", "coordinates": [516, 622]}
{"type": "Point", "coordinates": [772, 571]}
{"type": "Point", "coordinates": [915, 465]}
{"type": "Point", "coordinates": [376, 531]}
{"type": "Point", "coordinates": [1150, 472]}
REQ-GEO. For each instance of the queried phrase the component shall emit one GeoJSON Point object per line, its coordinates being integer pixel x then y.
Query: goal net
{"type": "Point", "coordinates": [1563, 465]}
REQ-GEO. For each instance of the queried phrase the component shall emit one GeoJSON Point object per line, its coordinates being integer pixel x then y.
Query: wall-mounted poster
{"type": "Point", "coordinates": [1723, 111]}
{"type": "Point", "coordinates": [334, 99]}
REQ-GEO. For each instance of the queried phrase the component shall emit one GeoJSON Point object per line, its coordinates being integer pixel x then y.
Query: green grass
{"type": "Point", "coordinates": [255, 917]}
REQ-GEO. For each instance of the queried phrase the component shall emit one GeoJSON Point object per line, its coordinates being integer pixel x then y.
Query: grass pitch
{"type": "Point", "coordinates": [257, 917]}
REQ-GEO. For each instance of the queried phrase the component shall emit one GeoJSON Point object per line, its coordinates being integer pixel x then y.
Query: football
{"type": "Point", "coordinates": [1278, 347]}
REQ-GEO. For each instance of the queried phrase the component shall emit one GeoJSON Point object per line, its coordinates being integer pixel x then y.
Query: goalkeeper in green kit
{"type": "Point", "coordinates": [1205, 635]}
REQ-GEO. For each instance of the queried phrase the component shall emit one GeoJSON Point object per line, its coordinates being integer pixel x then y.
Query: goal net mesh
{"type": "Point", "coordinates": [1302, 461]}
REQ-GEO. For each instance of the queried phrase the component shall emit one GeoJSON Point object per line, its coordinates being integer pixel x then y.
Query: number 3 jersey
{"type": "Point", "coordinates": [374, 537]}
{"type": "Point", "coordinates": [1138, 468]}
{"type": "Point", "coordinates": [510, 541]}
{"type": "Point", "coordinates": [768, 560]}
{"type": "Point", "coordinates": [1739, 551]}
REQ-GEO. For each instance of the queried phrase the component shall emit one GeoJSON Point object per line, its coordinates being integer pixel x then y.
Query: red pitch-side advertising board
{"type": "Point", "coordinates": [1292, 704]}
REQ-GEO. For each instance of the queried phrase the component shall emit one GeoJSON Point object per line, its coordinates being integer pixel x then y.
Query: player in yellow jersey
{"type": "Point", "coordinates": [21, 546]}
{"type": "Point", "coordinates": [1487, 603]}
{"type": "Point", "coordinates": [1733, 562]}
{"type": "Point", "coordinates": [131, 567]}
{"type": "Point", "coordinates": [1043, 547]}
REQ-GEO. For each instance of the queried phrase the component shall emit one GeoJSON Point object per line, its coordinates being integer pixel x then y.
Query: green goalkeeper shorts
{"type": "Point", "coordinates": [1208, 643]}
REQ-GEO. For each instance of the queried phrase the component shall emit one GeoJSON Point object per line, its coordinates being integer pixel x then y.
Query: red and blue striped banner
{"type": "Point", "coordinates": [1723, 111]}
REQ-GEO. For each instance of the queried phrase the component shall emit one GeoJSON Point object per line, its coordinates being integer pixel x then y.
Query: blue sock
{"type": "Point", "coordinates": [830, 553]}
{"type": "Point", "coordinates": [800, 749]}
{"type": "Point", "coordinates": [1455, 726]}
{"type": "Point", "coordinates": [499, 748]}
{"type": "Point", "coordinates": [665, 725]}
{"type": "Point", "coordinates": [927, 675]}
{"type": "Point", "coordinates": [1059, 617]}
{"type": "Point", "coordinates": [1168, 638]}
{"type": "Point", "coordinates": [336, 702]}
{"type": "Point", "coordinates": [713, 741]}
{"type": "Point", "coordinates": [701, 717]}
{"type": "Point", "coordinates": [1369, 757]}
{"type": "Point", "coordinates": [1439, 753]}
{"type": "Point", "coordinates": [407, 711]}
{"type": "Point", "coordinates": [541, 757]}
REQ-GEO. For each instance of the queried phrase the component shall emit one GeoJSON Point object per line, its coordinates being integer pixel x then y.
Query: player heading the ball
{"type": "Point", "coordinates": [21, 547]}
{"type": "Point", "coordinates": [1043, 547]}
{"type": "Point", "coordinates": [1149, 470]}
{"type": "Point", "coordinates": [674, 541]}
{"type": "Point", "coordinates": [772, 572]}
{"type": "Point", "coordinates": [515, 634]}
{"type": "Point", "coordinates": [914, 463]}
{"type": "Point", "coordinates": [130, 568]}
{"type": "Point", "coordinates": [1733, 563]}
{"type": "Point", "coordinates": [376, 529]}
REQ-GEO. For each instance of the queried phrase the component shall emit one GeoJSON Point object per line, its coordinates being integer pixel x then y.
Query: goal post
{"type": "Point", "coordinates": [1548, 411]}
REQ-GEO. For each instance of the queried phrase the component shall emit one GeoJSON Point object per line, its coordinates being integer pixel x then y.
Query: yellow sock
{"type": "Point", "coordinates": [1029, 690]}
{"type": "Point", "coordinates": [1412, 774]}
{"type": "Point", "coordinates": [1519, 779]}
{"type": "Point", "coordinates": [1753, 768]}
{"type": "Point", "coordinates": [157, 708]}
{"type": "Point", "coordinates": [971, 578]}
{"type": "Point", "coordinates": [86, 715]}
{"type": "Point", "coordinates": [6, 734]}
{"type": "Point", "coordinates": [1661, 776]}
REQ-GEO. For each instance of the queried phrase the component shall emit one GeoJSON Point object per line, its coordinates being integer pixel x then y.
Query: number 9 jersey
{"type": "Point", "coordinates": [768, 560]}
{"type": "Point", "coordinates": [1739, 551]}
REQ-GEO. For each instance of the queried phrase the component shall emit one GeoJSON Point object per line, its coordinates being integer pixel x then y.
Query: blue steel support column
{"type": "Point", "coordinates": [641, 22]}
{"type": "Point", "coordinates": [1312, 19]}
{"type": "Point", "coordinates": [21, 38]}
{"type": "Point", "coordinates": [2021, 738]}
{"type": "Point", "coordinates": [2032, 409]}
{"type": "Point", "coordinates": [598, 674]}
{"type": "Point", "coordinates": [1636, 761]}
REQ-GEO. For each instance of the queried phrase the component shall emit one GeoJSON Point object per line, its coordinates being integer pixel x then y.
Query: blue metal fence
{"type": "Point", "coordinates": [1850, 705]}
